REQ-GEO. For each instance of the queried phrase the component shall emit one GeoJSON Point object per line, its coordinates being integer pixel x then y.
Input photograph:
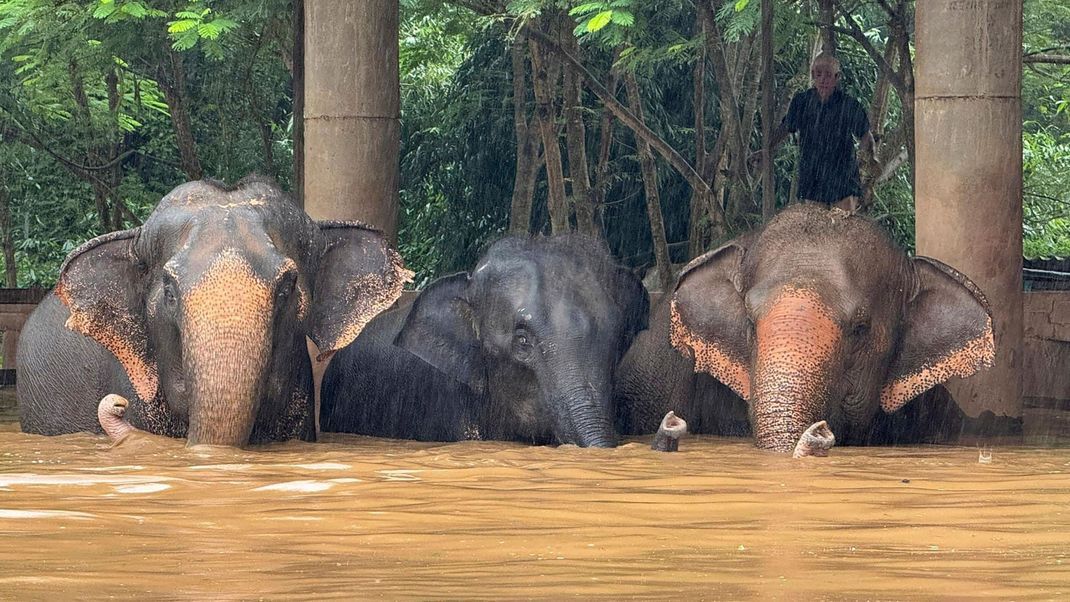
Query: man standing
{"type": "Point", "coordinates": [827, 121]}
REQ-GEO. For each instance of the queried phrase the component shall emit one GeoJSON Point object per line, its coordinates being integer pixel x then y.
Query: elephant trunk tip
{"type": "Point", "coordinates": [672, 428]}
{"type": "Point", "coordinates": [815, 441]}
{"type": "Point", "coordinates": [111, 412]}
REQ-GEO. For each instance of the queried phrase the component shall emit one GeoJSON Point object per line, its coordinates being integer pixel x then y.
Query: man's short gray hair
{"type": "Point", "coordinates": [826, 58]}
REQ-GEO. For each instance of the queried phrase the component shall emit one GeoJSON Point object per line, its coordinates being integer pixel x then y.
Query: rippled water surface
{"type": "Point", "coordinates": [356, 517]}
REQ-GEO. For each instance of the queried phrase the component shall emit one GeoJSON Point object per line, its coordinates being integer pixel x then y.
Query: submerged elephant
{"type": "Point", "coordinates": [523, 348]}
{"type": "Point", "coordinates": [200, 315]}
{"type": "Point", "coordinates": [817, 316]}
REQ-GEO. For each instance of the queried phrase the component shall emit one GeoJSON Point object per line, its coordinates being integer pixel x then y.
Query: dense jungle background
{"type": "Point", "coordinates": [510, 117]}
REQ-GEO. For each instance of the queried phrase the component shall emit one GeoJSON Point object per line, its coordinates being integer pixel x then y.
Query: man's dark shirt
{"type": "Point", "coordinates": [828, 170]}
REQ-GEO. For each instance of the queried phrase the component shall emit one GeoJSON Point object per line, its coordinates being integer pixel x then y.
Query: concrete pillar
{"type": "Point", "coordinates": [768, 81]}
{"type": "Point", "coordinates": [969, 171]}
{"type": "Point", "coordinates": [352, 111]}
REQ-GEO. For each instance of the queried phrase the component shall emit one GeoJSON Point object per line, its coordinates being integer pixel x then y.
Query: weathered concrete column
{"type": "Point", "coordinates": [969, 171]}
{"type": "Point", "coordinates": [352, 111]}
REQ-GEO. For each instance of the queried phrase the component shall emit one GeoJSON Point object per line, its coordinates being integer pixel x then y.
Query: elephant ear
{"type": "Point", "coordinates": [634, 303]}
{"type": "Point", "coordinates": [709, 318]}
{"type": "Point", "coordinates": [102, 285]}
{"type": "Point", "coordinates": [440, 330]}
{"type": "Point", "coordinates": [947, 332]}
{"type": "Point", "coordinates": [358, 276]}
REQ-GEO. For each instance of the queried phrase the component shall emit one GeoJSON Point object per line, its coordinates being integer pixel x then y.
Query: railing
{"type": "Point", "coordinates": [15, 306]}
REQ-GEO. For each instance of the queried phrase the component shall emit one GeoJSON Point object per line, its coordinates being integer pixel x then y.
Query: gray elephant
{"type": "Point", "coordinates": [522, 348]}
{"type": "Point", "coordinates": [200, 315]}
{"type": "Point", "coordinates": [817, 316]}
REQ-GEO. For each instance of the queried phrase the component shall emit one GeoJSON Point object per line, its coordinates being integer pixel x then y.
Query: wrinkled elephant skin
{"type": "Point", "coordinates": [817, 316]}
{"type": "Point", "coordinates": [199, 317]}
{"type": "Point", "coordinates": [522, 348]}
{"type": "Point", "coordinates": [111, 413]}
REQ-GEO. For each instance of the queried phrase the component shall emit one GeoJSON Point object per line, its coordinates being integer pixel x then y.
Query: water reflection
{"type": "Point", "coordinates": [365, 517]}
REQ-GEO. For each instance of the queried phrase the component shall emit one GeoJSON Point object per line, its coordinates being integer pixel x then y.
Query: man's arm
{"type": "Point", "coordinates": [869, 144]}
{"type": "Point", "coordinates": [779, 135]}
{"type": "Point", "coordinates": [787, 126]}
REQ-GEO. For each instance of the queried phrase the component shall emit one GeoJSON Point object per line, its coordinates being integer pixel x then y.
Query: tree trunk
{"type": "Point", "coordinates": [641, 130]}
{"type": "Point", "coordinates": [906, 75]}
{"type": "Point", "coordinates": [173, 85]}
{"type": "Point", "coordinates": [352, 133]}
{"type": "Point", "coordinates": [738, 94]}
{"type": "Point", "coordinates": [878, 110]}
{"type": "Point", "coordinates": [7, 241]}
{"type": "Point", "coordinates": [11, 275]}
{"type": "Point", "coordinates": [826, 13]}
{"type": "Point", "coordinates": [298, 78]}
{"type": "Point", "coordinates": [101, 193]}
{"type": "Point", "coordinates": [696, 243]}
{"type": "Point", "coordinates": [576, 139]}
{"type": "Point", "coordinates": [650, 187]}
{"type": "Point", "coordinates": [114, 173]}
{"type": "Point", "coordinates": [729, 99]}
{"type": "Point", "coordinates": [748, 74]}
{"type": "Point", "coordinates": [527, 145]}
{"type": "Point", "coordinates": [768, 183]}
{"type": "Point", "coordinates": [908, 125]}
{"type": "Point", "coordinates": [720, 190]}
{"type": "Point", "coordinates": [605, 143]}
{"type": "Point", "coordinates": [267, 141]}
{"type": "Point", "coordinates": [544, 78]}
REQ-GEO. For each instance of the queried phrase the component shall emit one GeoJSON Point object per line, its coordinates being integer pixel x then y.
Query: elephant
{"type": "Point", "coordinates": [818, 315]}
{"type": "Point", "coordinates": [523, 348]}
{"type": "Point", "coordinates": [200, 316]}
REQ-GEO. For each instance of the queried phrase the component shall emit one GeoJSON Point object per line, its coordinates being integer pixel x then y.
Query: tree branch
{"type": "Point", "coordinates": [857, 34]}
{"type": "Point", "coordinates": [622, 113]}
{"type": "Point", "coordinates": [1050, 59]}
{"type": "Point", "coordinates": [477, 7]}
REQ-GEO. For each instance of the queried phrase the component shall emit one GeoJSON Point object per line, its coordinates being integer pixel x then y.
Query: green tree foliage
{"type": "Point", "coordinates": [82, 87]}
{"type": "Point", "coordinates": [456, 153]}
{"type": "Point", "coordinates": [1046, 130]}
{"type": "Point", "coordinates": [92, 93]}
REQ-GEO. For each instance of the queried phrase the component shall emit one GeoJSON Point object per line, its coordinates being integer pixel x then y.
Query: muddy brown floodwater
{"type": "Point", "coordinates": [358, 518]}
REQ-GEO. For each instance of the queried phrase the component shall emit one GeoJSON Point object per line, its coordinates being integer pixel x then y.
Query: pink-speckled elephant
{"type": "Point", "coordinates": [200, 315]}
{"type": "Point", "coordinates": [817, 316]}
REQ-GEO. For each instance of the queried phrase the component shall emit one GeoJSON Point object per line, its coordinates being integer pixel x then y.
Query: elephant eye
{"type": "Point", "coordinates": [286, 286]}
{"type": "Point", "coordinates": [169, 295]}
{"type": "Point", "coordinates": [523, 346]}
{"type": "Point", "coordinates": [860, 329]}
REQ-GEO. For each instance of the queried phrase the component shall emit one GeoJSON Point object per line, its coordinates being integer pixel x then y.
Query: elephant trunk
{"type": "Point", "coordinates": [580, 403]}
{"type": "Point", "coordinates": [593, 425]}
{"type": "Point", "coordinates": [797, 339]}
{"type": "Point", "coordinates": [226, 347]}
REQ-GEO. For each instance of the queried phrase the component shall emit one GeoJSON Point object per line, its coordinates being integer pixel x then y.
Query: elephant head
{"type": "Point", "coordinates": [820, 316]}
{"type": "Point", "coordinates": [536, 331]}
{"type": "Point", "coordinates": [206, 306]}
